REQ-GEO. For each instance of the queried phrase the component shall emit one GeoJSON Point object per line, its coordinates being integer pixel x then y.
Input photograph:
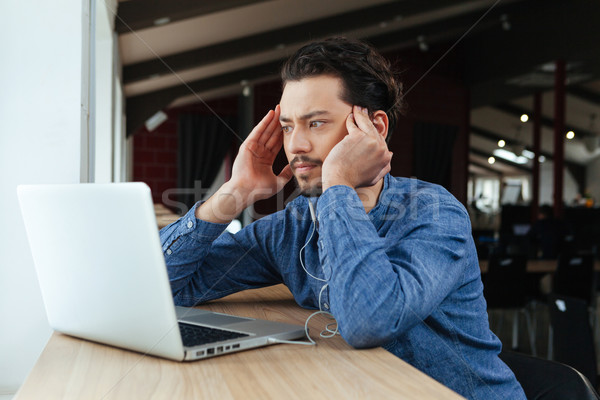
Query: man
{"type": "Point", "coordinates": [392, 259]}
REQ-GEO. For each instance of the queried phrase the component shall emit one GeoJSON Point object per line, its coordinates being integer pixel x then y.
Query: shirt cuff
{"type": "Point", "coordinates": [337, 198]}
{"type": "Point", "coordinates": [197, 229]}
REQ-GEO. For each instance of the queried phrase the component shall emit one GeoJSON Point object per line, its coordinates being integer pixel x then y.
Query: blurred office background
{"type": "Point", "coordinates": [502, 109]}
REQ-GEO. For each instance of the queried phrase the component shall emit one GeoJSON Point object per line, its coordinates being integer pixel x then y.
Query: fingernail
{"type": "Point", "coordinates": [364, 110]}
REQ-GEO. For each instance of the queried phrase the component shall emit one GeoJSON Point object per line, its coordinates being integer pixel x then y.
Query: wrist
{"type": "Point", "coordinates": [335, 181]}
{"type": "Point", "coordinates": [223, 206]}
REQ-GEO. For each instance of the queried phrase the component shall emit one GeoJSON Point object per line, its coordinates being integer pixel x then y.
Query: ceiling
{"type": "Point", "coordinates": [186, 51]}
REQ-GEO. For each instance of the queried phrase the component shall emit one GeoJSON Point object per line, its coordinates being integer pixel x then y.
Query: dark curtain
{"type": "Point", "coordinates": [433, 149]}
{"type": "Point", "coordinates": [203, 142]}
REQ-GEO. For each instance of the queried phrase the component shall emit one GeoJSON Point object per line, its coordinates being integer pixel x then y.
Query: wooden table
{"type": "Point", "coordinates": [71, 368]}
{"type": "Point", "coordinates": [164, 216]}
{"type": "Point", "coordinates": [537, 266]}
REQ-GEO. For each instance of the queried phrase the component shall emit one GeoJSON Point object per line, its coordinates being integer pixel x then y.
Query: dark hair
{"type": "Point", "coordinates": [366, 75]}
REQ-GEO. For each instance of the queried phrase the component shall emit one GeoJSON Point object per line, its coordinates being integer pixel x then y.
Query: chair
{"type": "Point", "coordinates": [548, 380]}
{"type": "Point", "coordinates": [504, 287]}
{"type": "Point", "coordinates": [574, 277]}
{"type": "Point", "coordinates": [571, 338]}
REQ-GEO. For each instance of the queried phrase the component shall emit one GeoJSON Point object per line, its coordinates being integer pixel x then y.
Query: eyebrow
{"type": "Point", "coordinates": [309, 115]}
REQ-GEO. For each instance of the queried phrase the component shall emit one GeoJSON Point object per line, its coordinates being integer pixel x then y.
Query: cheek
{"type": "Point", "coordinates": [288, 156]}
{"type": "Point", "coordinates": [333, 140]}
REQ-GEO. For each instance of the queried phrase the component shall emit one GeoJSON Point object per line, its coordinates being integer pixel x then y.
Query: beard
{"type": "Point", "coordinates": [308, 189]}
{"type": "Point", "coordinates": [310, 186]}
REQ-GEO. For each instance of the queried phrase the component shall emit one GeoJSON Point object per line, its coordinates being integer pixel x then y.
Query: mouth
{"type": "Point", "coordinates": [303, 168]}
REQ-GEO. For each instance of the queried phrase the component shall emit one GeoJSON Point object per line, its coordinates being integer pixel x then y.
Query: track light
{"type": "Point", "coordinates": [505, 22]}
{"type": "Point", "coordinates": [423, 46]}
{"type": "Point", "coordinates": [154, 121]}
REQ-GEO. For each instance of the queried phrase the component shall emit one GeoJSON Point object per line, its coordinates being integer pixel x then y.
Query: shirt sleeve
{"type": "Point", "coordinates": [205, 262]}
{"type": "Point", "coordinates": [381, 287]}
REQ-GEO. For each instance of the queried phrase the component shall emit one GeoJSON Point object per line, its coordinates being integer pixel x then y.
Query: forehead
{"type": "Point", "coordinates": [321, 92]}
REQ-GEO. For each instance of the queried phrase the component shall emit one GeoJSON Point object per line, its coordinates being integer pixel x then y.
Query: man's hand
{"type": "Point", "coordinates": [252, 170]}
{"type": "Point", "coordinates": [252, 176]}
{"type": "Point", "coordinates": [362, 158]}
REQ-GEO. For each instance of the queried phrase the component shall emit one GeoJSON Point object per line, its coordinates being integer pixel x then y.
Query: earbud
{"type": "Point", "coordinates": [313, 216]}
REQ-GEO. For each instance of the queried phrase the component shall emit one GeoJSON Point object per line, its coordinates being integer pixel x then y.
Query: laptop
{"type": "Point", "coordinates": [103, 277]}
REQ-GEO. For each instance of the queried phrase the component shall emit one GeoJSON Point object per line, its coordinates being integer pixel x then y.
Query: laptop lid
{"type": "Point", "coordinates": [100, 266]}
{"type": "Point", "coordinates": [102, 273]}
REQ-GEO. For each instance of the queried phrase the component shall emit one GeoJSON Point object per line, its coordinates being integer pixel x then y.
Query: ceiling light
{"type": "Point", "coordinates": [505, 22]}
{"type": "Point", "coordinates": [528, 154]}
{"type": "Point", "coordinates": [570, 135]}
{"type": "Point", "coordinates": [162, 21]}
{"type": "Point", "coordinates": [423, 46]}
{"type": "Point", "coordinates": [510, 156]}
{"type": "Point", "coordinates": [524, 118]}
{"type": "Point", "coordinates": [541, 159]}
{"type": "Point", "coordinates": [154, 121]}
{"type": "Point", "coordinates": [501, 143]}
{"type": "Point", "coordinates": [491, 160]}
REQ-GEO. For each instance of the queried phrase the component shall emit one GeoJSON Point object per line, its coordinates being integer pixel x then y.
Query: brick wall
{"type": "Point", "coordinates": [155, 153]}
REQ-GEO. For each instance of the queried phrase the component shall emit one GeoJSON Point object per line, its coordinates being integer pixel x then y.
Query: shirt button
{"type": "Point", "coordinates": [190, 224]}
{"type": "Point", "coordinates": [326, 306]}
{"type": "Point", "coordinates": [169, 252]}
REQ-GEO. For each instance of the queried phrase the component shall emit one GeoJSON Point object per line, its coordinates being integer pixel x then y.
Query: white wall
{"type": "Point", "coordinates": [570, 189]}
{"type": "Point", "coordinates": [40, 142]}
{"type": "Point", "coordinates": [103, 91]}
{"type": "Point", "coordinates": [593, 179]}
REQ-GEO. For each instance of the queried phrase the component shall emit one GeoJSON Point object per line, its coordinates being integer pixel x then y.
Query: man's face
{"type": "Point", "coordinates": [313, 120]}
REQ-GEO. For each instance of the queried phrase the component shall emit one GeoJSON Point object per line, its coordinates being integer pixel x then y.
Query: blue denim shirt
{"type": "Point", "coordinates": [405, 276]}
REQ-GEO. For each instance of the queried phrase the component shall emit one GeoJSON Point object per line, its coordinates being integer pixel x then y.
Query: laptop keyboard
{"type": "Point", "coordinates": [194, 335]}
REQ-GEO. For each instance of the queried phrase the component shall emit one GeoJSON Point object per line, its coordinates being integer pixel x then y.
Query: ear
{"type": "Point", "coordinates": [381, 122]}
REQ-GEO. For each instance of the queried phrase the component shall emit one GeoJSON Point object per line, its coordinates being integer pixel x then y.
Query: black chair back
{"type": "Point", "coordinates": [574, 276]}
{"type": "Point", "coordinates": [504, 284]}
{"type": "Point", "coordinates": [572, 337]}
{"type": "Point", "coordinates": [548, 380]}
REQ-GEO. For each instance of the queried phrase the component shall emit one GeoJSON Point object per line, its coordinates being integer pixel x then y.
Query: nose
{"type": "Point", "coordinates": [298, 141]}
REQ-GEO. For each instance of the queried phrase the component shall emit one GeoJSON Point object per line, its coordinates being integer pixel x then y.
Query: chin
{"type": "Point", "coordinates": [309, 189]}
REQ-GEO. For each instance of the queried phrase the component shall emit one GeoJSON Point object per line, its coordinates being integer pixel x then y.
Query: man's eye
{"type": "Point", "coordinates": [316, 124]}
{"type": "Point", "coordinates": [286, 129]}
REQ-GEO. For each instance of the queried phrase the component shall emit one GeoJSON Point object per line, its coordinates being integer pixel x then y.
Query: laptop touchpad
{"type": "Point", "coordinates": [215, 319]}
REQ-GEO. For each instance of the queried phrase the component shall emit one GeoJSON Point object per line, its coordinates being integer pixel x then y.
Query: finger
{"type": "Point", "coordinates": [351, 125]}
{"type": "Point", "coordinates": [260, 127]}
{"type": "Point", "coordinates": [273, 128]}
{"type": "Point", "coordinates": [275, 141]}
{"type": "Point", "coordinates": [364, 123]}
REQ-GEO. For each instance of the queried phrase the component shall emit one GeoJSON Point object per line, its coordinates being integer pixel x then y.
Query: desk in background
{"type": "Point", "coordinates": [164, 216]}
{"type": "Point", "coordinates": [537, 266]}
{"type": "Point", "coordinates": [70, 368]}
